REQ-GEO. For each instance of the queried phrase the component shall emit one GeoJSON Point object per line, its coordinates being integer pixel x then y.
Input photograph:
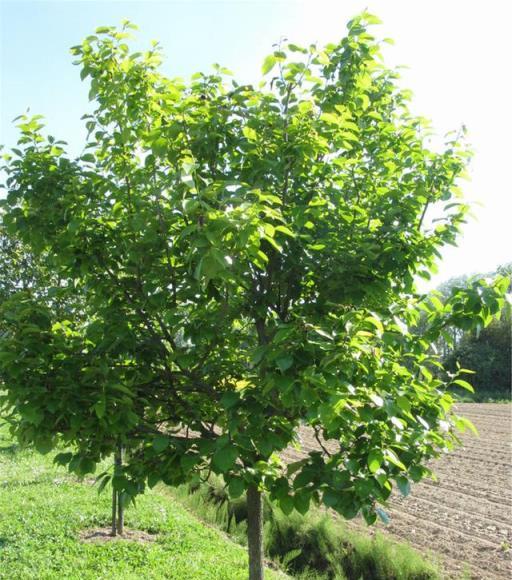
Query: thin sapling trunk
{"type": "Point", "coordinates": [118, 460]}
{"type": "Point", "coordinates": [255, 532]}
{"type": "Point", "coordinates": [114, 512]}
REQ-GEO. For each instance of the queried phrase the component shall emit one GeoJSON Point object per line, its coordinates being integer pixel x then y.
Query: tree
{"type": "Point", "coordinates": [247, 257]}
{"type": "Point", "coordinates": [488, 355]}
{"type": "Point", "coordinates": [484, 350]}
{"type": "Point", "coordinates": [487, 352]}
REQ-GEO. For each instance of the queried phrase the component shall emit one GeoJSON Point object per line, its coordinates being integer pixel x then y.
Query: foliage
{"type": "Point", "coordinates": [488, 355]}
{"type": "Point", "coordinates": [484, 350]}
{"type": "Point", "coordinates": [42, 541]}
{"type": "Point", "coordinates": [246, 258]}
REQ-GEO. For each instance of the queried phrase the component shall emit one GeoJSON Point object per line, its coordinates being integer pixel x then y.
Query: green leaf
{"type": "Point", "coordinates": [236, 487]}
{"type": "Point", "coordinates": [301, 502]}
{"type": "Point", "coordinates": [464, 384]}
{"type": "Point", "coordinates": [323, 58]}
{"type": "Point", "coordinates": [188, 462]}
{"type": "Point", "coordinates": [416, 473]}
{"type": "Point", "coordinates": [295, 466]}
{"type": "Point", "coordinates": [224, 459]}
{"type": "Point", "coordinates": [32, 414]}
{"type": "Point", "coordinates": [100, 408]}
{"type": "Point", "coordinates": [323, 334]}
{"type": "Point", "coordinates": [426, 373]}
{"type": "Point", "coordinates": [153, 479]}
{"type": "Point", "coordinates": [330, 498]}
{"type": "Point", "coordinates": [284, 363]}
{"type": "Point", "coordinates": [250, 133]}
{"type": "Point", "coordinates": [63, 458]}
{"type": "Point", "coordinates": [463, 423]}
{"type": "Point", "coordinates": [375, 321]}
{"type": "Point", "coordinates": [43, 446]}
{"type": "Point", "coordinates": [296, 48]}
{"type": "Point", "coordinates": [370, 515]}
{"type": "Point", "coordinates": [392, 457]}
{"type": "Point", "coordinates": [330, 118]}
{"type": "Point", "coordinates": [87, 465]}
{"type": "Point", "coordinates": [229, 399]}
{"type": "Point", "coordinates": [438, 305]}
{"type": "Point", "coordinates": [404, 404]}
{"type": "Point", "coordinates": [285, 230]}
{"type": "Point", "coordinates": [160, 443]}
{"type": "Point", "coordinates": [159, 146]}
{"type": "Point", "coordinates": [268, 64]}
{"type": "Point", "coordinates": [103, 483]}
{"type": "Point", "coordinates": [382, 515]}
{"type": "Point", "coordinates": [375, 459]}
{"type": "Point", "coordinates": [286, 504]}
{"type": "Point", "coordinates": [403, 485]}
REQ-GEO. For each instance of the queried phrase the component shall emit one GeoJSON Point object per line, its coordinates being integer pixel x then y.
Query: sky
{"type": "Point", "coordinates": [457, 54]}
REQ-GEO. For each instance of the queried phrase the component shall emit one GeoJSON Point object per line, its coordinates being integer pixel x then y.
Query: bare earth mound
{"type": "Point", "coordinates": [466, 516]}
{"type": "Point", "coordinates": [104, 535]}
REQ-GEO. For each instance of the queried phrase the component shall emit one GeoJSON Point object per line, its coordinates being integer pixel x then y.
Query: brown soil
{"type": "Point", "coordinates": [104, 535]}
{"type": "Point", "coordinates": [466, 516]}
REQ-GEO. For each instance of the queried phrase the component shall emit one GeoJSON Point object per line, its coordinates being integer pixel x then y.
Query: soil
{"type": "Point", "coordinates": [465, 518]}
{"type": "Point", "coordinates": [105, 535]}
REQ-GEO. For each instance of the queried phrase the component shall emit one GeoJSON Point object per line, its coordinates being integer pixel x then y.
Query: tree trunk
{"type": "Point", "coordinates": [114, 512]}
{"type": "Point", "coordinates": [255, 532]}
{"type": "Point", "coordinates": [120, 511]}
{"type": "Point", "coordinates": [120, 503]}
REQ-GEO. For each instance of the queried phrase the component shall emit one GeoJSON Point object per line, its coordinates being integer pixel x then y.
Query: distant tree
{"type": "Point", "coordinates": [487, 352]}
{"type": "Point", "coordinates": [247, 259]}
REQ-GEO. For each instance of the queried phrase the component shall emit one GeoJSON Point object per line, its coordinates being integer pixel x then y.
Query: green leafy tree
{"type": "Point", "coordinates": [247, 257]}
{"type": "Point", "coordinates": [487, 354]}
{"type": "Point", "coordinates": [486, 350]}
{"type": "Point", "coordinates": [31, 291]}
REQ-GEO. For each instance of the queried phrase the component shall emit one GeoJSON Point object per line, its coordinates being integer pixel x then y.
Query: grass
{"type": "Point", "coordinates": [313, 547]}
{"type": "Point", "coordinates": [43, 510]}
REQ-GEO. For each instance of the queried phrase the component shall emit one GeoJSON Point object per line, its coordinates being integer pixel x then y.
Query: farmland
{"type": "Point", "coordinates": [466, 516]}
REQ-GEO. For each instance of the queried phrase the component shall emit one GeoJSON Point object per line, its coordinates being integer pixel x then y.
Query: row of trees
{"type": "Point", "coordinates": [224, 264]}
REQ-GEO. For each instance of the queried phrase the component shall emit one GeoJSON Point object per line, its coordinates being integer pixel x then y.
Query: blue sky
{"type": "Point", "coordinates": [457, 53]}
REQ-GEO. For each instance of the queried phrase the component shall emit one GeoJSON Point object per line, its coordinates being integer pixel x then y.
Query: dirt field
{"type": "Point", "coordinates": [465, 517]}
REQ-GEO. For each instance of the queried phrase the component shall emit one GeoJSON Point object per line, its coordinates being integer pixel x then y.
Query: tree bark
{"type": "Point", "coordinates": [255, 532]}
{"type": "Point", "coordinates": [120, 503]}
{"type": "Point", "coordinates": [120, 512]}
{"type": "Point", "coordinates": [114, 512]}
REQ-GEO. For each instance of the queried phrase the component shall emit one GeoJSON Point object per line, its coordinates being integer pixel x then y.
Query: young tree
{"type": "Point", "coordinates": [248, 258]}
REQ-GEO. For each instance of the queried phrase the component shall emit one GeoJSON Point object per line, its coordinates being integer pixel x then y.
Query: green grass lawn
{"type": "Point", "coordinates": [43, 510]}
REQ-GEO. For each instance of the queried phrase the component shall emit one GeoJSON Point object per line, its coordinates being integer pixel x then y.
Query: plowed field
{"type": "Point", "coordinates": [466, 516]}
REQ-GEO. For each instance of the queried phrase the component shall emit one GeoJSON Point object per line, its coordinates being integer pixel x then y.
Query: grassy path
{"type": "Point", "coordinates": [43, 510]}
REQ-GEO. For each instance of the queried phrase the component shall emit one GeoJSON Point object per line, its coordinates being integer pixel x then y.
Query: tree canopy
{"type": "Point", "coordinates": [246, 258]}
